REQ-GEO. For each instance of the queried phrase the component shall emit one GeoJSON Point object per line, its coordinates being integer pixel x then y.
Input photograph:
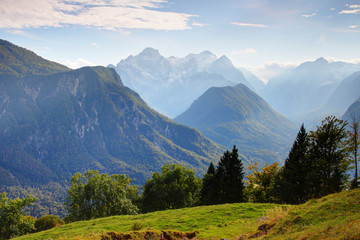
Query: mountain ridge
{"type": "Point", "coordinates": [171, 84]}
{"type": "Point", "coordinates": [57, 124]}
{"type": "Point", "coordinates": [237, 115]}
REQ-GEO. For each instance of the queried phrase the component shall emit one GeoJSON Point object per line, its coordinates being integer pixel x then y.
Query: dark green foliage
{"type": "Point", "coordinates": [329, 157]}
{"type": "Point", "coordinates": [317, 164]}
{"type": "Point", "coordinates": [293, 184]}
{"type": "Point", "coordinates": [229, 175]}
{"type": "Point", "coordinates": [47, 222]}
{"type": "Point", "coordinates": [12, 220]}
{"type": "Point", "coordinates": [175, 187]}
{"type": "Point", "coordinates": [51, 198]}
{"type": "Point", "coordinates": [94, 195]}
{"type": "Point", "coordinates": [209, 190]}
{"type": "Point", "coordinates": [225, 184]}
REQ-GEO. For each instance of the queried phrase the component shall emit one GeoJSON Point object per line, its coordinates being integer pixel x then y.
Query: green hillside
{"type": "Point", "coordinates": [336, 216]}
{"type": "Point", "coordinates": [54, 123]}
{"type": "Point", "coordinates": [237, 115]}
{"type": "Point", "coordinates": [19, 61]}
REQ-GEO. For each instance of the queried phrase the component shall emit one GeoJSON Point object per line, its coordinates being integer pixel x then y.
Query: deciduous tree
{"type": "Point", "coordinates": [258, 187]}
{"type": "Point", "coordinates": [329, 157]}
{"type": "Point", "coordinates": [12, 220]}
{"type": "Point", "coordinates": [93, 195]}
{"type": "Point", "coordinates": [175, 187]}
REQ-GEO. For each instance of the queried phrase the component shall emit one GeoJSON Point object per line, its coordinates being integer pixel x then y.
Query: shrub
{"type": "Point", "coordinates": [47, 222]}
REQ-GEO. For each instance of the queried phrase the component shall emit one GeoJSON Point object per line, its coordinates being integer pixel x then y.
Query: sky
{"type": "Point", "coordinates": [262, 35]}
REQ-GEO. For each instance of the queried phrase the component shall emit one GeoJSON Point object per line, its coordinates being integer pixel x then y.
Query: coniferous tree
{"type": "Point", "coordinates": [209, 193]}
{"type": "Point", "coordinates": [293, 183]}
{"type": "Point", "coordinates": [329, 157]}
{"type": "Point", "coordinates": [229, 176]}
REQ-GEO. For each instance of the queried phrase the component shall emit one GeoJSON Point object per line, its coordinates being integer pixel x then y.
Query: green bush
{"type": "Point", "coordinates": [47, 222]}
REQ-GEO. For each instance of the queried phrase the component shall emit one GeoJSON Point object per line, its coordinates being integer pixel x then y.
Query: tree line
{"type": "Point", "coordinates": [317, 165]}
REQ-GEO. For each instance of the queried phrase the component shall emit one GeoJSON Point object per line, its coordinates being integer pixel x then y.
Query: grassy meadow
{"type": "Point", "coordinates": [336, 216]}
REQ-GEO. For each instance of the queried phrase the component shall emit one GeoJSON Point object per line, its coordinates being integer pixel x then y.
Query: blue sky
{"type": "Point", "coordinates": [260, 34]}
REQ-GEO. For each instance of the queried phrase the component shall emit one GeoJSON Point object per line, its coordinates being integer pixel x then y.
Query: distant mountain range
{"type": "Point", "coordinates": [308, 87]}
{"type": "Point", "coordinates": [55, 122]}
{"type": "Point", "coordinates": [237, 115]}
{"type": "Point", "coordinates": [171, 84]}
{"type": "Point", "coordinates": [343, 96]}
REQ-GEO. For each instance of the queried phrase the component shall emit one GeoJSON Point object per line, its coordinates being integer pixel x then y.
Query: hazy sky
{"type": "Point", "coordinates": [252, 33]}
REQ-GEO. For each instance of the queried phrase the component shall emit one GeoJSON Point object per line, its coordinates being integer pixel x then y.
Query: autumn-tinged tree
{"type": "Point", "coordinates": [258, 187]}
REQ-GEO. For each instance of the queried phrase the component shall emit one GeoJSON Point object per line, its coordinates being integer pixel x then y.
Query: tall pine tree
{"type": "Point", "coordinates": [229, 176]}
{"type": "Point", "coordinates": [293, 184]}
{"type": "Point", "coordinates": [209, 190]}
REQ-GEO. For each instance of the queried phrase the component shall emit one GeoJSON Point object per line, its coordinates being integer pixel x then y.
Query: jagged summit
{"type": "Point", "coordinates": [54, 125]}
{"type": "Point", "coordinates": [171, 84]}
{"type": "Point", "coordinates": [149, 52]}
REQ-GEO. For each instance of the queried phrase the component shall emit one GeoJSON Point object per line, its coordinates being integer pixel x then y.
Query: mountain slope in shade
{"type": "Point", "coordinates": [307, 87]}
{"type": "Point", "coordinates": [237, 115]}
{"type": "Point", "coordinates": [171, 84]}
{"type": "Point", "coordinates": [55, 125]}
{"type": "Point", "coordinates": [344, 95]}
{"type": "Point", "coordinates": [353, 112]}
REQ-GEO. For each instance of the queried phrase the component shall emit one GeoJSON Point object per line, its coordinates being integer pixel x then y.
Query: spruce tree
{"type": "Point", "coordinates": [229, 176]}
{"type": "Point", "coordinates": [209, 193]}
{"type": "Point", "coordinates": [293, 185]}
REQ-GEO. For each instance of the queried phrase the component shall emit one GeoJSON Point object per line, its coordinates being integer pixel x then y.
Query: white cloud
{"type": "Point", "coordinates": [353, 26]}
{"type": "Point", "coordinates": [271, 69]}
{"type": "Point", "coordinates": [197, 24]}
{"type": "Point", "coordinates": [244, 51]}
{"type": "Point", "coordinates": [353, 9]}
{"type": "Point", "coordinates": [250, 25]}
{"type": "Point", "coordinates": [101, 14]}
{"type": "Point", "coordinates": [78, 63]}
{"type": "Point", "coordinates": [93, 44]}
{"type": "Point", "coordinates": [309, 15]}
{"type": "Point", "coordinates": [332, 59]}
{"type": "Point", "coordinates": [332, 9]}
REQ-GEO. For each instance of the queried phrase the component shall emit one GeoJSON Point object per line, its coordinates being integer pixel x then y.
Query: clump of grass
{"type": "Point", "coordinates": [275, 214]}
{"type": "Point", "coordinates": [136, 226]}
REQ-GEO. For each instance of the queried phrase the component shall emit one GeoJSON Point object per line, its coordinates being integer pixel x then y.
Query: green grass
{"type": "Point", "coordinates": [336, 216]}
{"type": "Point", "coordinates": [218, 221]}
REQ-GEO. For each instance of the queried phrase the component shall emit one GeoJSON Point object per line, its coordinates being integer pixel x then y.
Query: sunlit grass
{"type": "Point", "coordinates": [218, 221]}
{"type": "Point", "coordinates": [336, 216]}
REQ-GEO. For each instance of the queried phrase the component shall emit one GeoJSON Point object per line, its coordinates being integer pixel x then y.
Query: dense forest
{"type": "Point", "coordinates": [318, 164]}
